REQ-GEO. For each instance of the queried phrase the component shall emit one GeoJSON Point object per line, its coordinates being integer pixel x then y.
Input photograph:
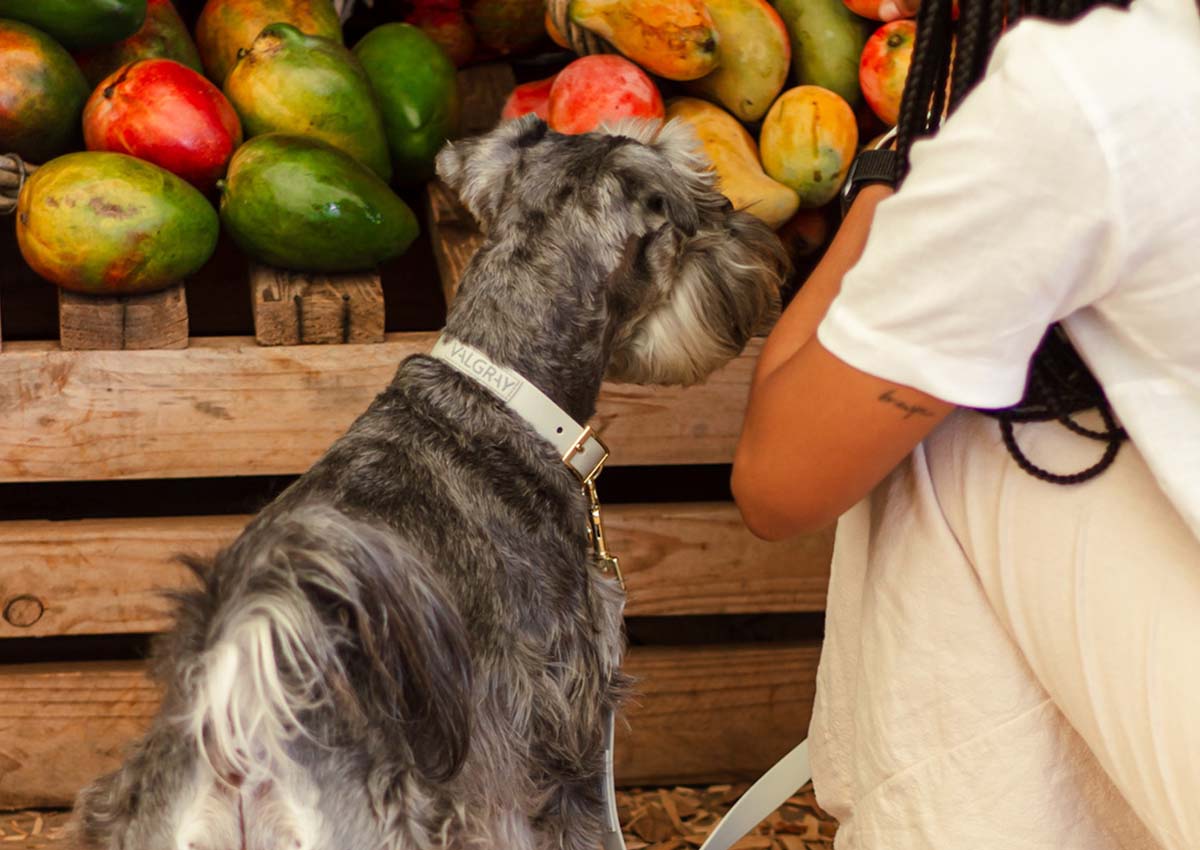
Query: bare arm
{"type": "Point", "coordinates": [820, 434]}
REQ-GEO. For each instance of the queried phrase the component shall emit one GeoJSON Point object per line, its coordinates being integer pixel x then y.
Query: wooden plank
{"type": "Point", "coordinates": [714, 714]}
{"type": "Point", "coordinates": [452, 230]}
{"type": "Point", "coordinates": [123, 322]}
{"type": "Point", "coordinates": [454, 234]}
{"type": "Point", "coordinates": [296, 308]}
{"type": "Point", "coordinates": [105, 576]}
{"type": "Point", "coordinates": [225, 406]}
{"type": "Point", "coordinates": [703, 714]}
{"type": "Point", "coordinates": [482, 91]}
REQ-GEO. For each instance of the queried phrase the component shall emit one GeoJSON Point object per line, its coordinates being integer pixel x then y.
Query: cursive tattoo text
{"type": "Point", "coordinates": [910, 410]}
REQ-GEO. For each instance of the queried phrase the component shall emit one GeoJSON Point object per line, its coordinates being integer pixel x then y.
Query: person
{"type": "Point", "coordinates": [1008, 663]}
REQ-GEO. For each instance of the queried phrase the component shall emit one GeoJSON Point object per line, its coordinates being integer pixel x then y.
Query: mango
{"type": "Point", "coordinates": [417, 91]}
{"type": "Point", "coordinates": [507, 26]}
{"type": "Point", "coordinates": [227, 26]}
{"type": "Point", "coordinates": [298, 203]}
{"type": "Point", "coordinates": [106, 223]}
{"type": "Point", "coordinates": [753, 56]}
{"type": "Point", "coordinates": [555, 36]}
{"type": "Point", "coordinates": [445, 22]}
{"type": "Point", "coordinates": [827, 41]}
{"type": "Point", "coordinates": [600, 89]}
{"type": "Point", "coordinates": [808, 141]}
{"type": "Point", "coordinates": [163, 35]}
{"type": "Point", "coordinates": [734, 157]}
{"type": "Point", "coordinates": [289, 82]}
{"type": "Point", "coordinates": [884, 68]}
{"type": "Point", "coordinates": [675, 39]}
{"type": "Point", "coordinates": [79, 23]}
{"type": "Point", "coordinates": [42, 93]}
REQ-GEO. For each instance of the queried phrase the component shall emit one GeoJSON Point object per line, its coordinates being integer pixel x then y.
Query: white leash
{"type": "Point", "coordinates": [584, 453]}
{"type": "Point", "coordinates": [763, 797]}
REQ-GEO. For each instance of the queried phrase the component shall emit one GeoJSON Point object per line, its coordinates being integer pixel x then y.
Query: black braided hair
{"type": "Point", "coordinates": [956, 52]}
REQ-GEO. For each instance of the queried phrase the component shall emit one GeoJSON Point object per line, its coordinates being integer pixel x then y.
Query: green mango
{"type": "Point", "coordinates": [289, 82]}
{"type": "Point", "coordinates": [42, 92]}
{"type": "Point", "coordinates": [827, 43]}
{"type": "Point", "coordinates": [106, 223]}
{"type": "Point", "coordinates": [295, 202]}
{"type": "Point", "coordinates": [415, 83]}
{"type": "Point", "coordinates": [79, 23]}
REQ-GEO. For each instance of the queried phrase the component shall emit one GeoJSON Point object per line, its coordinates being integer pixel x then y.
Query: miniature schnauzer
{"type": "Point", "coordinates": [412, 648]}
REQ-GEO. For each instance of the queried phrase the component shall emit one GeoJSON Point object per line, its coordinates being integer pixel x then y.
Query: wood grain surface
{"type": "Point", "coordinates": [126, 322]}
{"type": "Point", "coordinates": [703, 714]}
{"type": "Point", "coordinates": [106, 576]}
{"type": "Point", "coordinates": [226, 406]}
{"type": "Point", "coordinates": [298, 308]}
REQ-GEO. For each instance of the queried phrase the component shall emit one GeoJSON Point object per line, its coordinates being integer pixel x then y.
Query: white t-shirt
{"type": "Point", "coordinates": [1066, 188]}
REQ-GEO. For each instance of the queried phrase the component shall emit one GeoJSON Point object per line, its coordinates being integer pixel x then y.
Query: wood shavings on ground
{"type": "Point", "coordinates": [653, 819]}
{"type": "Point", "coordinates": [681, 818]}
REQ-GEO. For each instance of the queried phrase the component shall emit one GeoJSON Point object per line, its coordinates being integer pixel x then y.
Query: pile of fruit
{"type": "Point", "coordinates": [809, 78]}
{"type": "Point", "coordinates": [266, 116]}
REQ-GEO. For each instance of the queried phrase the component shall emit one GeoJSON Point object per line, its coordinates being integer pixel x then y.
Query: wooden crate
{"type": "Point", "coordinates": [227, 406]}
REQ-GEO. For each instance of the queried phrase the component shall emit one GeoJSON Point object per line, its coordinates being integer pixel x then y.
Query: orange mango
{"type": "Point", "coordinates": [734, 158]}
{"type": "Point", "coordinates": [753, 55]}
{"type": "Point", "coordinates": [675, 39]}
{"type": "Point", "coordinates": [808, 141]}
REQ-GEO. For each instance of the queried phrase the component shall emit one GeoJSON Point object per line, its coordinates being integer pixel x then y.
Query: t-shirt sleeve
{"type": "Point", "coordinates": [1005, 224]}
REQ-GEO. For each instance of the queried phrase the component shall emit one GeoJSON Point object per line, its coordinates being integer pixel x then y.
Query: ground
{"type": "Point", "coordinates": [654, 819]}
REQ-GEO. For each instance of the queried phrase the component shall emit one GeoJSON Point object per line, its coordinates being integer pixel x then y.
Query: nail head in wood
{"type": "Point", "coordinates": [294, 308]}
{"type": "Point", "coordinates": [23, 611]}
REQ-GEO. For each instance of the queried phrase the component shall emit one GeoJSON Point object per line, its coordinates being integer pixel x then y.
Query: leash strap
{"type": "Point", "coordinates": [763, 797]}
{"type": "Point", "coordinates": [576, 444]}
{"type": "Point", "coordinates": [613, 838]}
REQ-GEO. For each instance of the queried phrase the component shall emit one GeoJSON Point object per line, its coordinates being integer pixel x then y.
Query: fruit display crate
{"type": "Point", "coordinates": [113, 461]}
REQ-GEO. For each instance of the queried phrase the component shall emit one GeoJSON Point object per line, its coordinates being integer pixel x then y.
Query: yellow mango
{"type": "Point", "coordinates": [808, 141]}
{"type": "Point", "coordinates": [734, 157]}
{"type": "Point", "coordinates": [675, 39]}
{"type": "Point", "coordinates": [753, 56]}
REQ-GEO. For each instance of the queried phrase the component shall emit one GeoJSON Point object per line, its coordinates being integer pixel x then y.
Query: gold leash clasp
{"type": "Point", "coordinates": [609, 563]}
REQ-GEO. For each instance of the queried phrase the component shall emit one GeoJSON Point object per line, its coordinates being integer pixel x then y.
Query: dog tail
{"type": "Point", "coordinates": [315, 619]}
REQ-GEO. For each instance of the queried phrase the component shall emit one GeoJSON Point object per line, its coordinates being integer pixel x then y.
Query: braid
{"type": "Point", "coordinates": [1059, 383]}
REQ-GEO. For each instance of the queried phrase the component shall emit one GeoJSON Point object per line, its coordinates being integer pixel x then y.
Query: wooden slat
{"type": "Point", "coordinates": [124, 322]}
{"type": "Point", "coordinates": [703, 714]}
{"type": "Point", "coordinates": [106, 576]}
{"type": "Point", "coordinates": [452, 231]}
{"type": "Point", "coordinates": [454, 234]}
{"type": "Point", "coordinates": [296, 308]}
{"type": "Point", "coordinates": [483, 90]}
{"type": "Point", "coordinates": [225, 406]}
{"type": "Point", "coordinates": [714, 714]}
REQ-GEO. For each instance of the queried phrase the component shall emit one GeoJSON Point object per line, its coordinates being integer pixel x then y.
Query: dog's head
{"type": "Point", "coordinates": [684, 279]}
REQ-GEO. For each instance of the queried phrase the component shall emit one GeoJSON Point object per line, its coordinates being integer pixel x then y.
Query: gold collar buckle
{"type": "Point", "coordinates": [607, 562]}
{"type": "Point", "coordinates": [586, 435]}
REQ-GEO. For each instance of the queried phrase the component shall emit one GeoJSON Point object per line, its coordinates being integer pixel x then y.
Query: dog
{"type": "Point", "coordinates": [411, 647]}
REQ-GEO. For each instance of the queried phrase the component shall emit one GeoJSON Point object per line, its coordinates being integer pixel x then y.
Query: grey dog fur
{"type": "Point", "coordinates": [411, 647]}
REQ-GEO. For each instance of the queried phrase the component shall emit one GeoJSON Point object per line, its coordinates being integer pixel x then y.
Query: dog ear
{"type": "Point", "coordinates": [718, 288]}
{"type": "Point", "coordinates": [478, 168]}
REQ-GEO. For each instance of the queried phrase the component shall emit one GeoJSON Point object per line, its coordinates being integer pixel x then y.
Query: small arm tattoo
{"type": "Point", "coordinates": [910, 410]}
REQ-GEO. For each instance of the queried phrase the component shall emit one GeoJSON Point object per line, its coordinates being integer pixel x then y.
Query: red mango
{"type": "Point", "coordinates": [529, 97]}
{"type": "Point", "coordinates": [167, 114]}
{"type": "Point", "coordinates": [601, 89]}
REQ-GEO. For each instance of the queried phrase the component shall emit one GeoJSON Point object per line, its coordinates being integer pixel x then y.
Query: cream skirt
{"type": "Point", "coordinates": [1011, 664]}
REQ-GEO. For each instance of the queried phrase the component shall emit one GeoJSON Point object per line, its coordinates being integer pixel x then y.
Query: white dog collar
{"type": "Point", "coordinates": [578, 446]}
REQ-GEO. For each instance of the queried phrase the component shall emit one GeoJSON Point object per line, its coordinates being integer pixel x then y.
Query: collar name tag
{"type": "Point", "coordinates": [580, 449]}
{"type": "Point", "coordinates": [500, 381]}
